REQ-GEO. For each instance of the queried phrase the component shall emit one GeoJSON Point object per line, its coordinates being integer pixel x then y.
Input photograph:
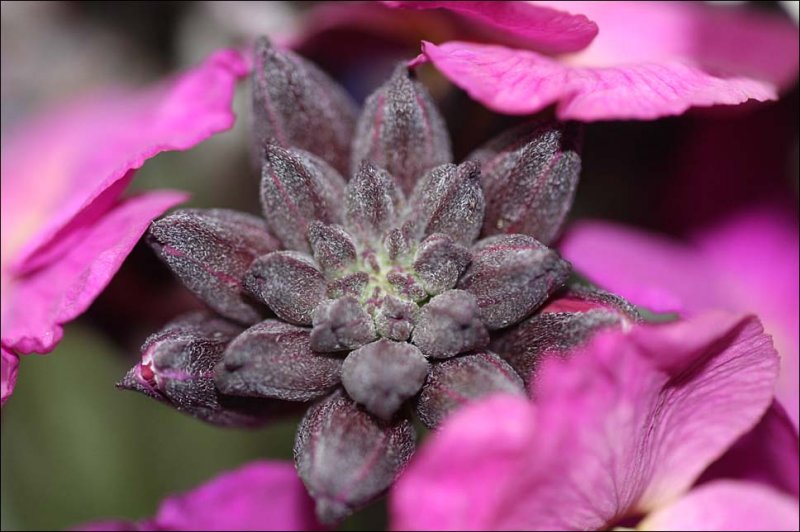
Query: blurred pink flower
{"type": "Point", "coordinates": [649, 59]}
{"type": "Point", "coordinates": [746, 263]}
{"type": "Point", "coordinates": [617, 436]}
{"type": "Point", "coordinates": [65, 227]}
{"type": "Point", "coordinates": [258, 496]}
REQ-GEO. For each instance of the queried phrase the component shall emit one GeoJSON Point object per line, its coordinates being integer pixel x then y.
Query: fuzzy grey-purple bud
{"type": "Point", "coordinates": [296, 189]}
{"type": "Point", "coordinates": [511, 276]}
{"type": "Point", "coordinates": [400, 129]}
{"type": "Point", "coordinates": [372, 200]}
{"type": "Point", "coordinates": [448, 199]}
{"type": "Point", "coordinates": [457, 381]}
{"type": "Point", "coordinates": [296, 104]}
{"type": "Point", "coordinates": [348, 285]}
{"type": "Point", "coordinates": [439, 262]}
{"type": "Point", "coordinates": [346, 457]}
{"type": "Point", "coordinates": [340, 325]}
{"type": "Point", "coordinates": [289, 283]}
{"type": "Point", "coordinates": [176, 368]}
{"type": "Point", "coordinates": [395, 318]}
{"type": "Point", "coordinates": [210, 250]}
{"type": "Point", "coordinates": [274, 359]}
{"type": "Point", "coordinates": [332, 246]}
{"type": "Point", "coordinates": [450, 324]}
{"type": "Point", "coordinates": [529, 176]}
{"type": "Point", "coordinates": [383, 374]}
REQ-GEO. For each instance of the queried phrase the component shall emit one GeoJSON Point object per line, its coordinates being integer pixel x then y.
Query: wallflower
{"type": "Point", "coordinates": [617, 435]}
{"type": "Point", "coordinates": [746, 263]}
{"type": "Point", "coordinates": [65, 228]}
{"type": "Point", "coordinates": [257, 496]}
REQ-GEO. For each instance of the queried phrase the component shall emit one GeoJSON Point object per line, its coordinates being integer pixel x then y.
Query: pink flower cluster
{"type": "Point", "coordinates": [661, 426]}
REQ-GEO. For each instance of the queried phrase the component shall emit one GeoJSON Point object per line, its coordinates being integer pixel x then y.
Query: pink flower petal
{"type": "Point", "coordinates": [39, 302]}
{"type": "Point", "coordinates": [9, 365]}
{"type": "Point", "coordinates": [64, 163]}
{"type": "Point", "coordinates": [521, 24]}
{"type": "Point", "coordinates": [621, 427]}
{"type": "Point", "coordinates": [522, 82]}
{"type": "Point", "coordinates": [727, 505]}
{"type": "Point", "coordinates": [259, 496]}
{"type": "Point", "coordinates": [768, 454]}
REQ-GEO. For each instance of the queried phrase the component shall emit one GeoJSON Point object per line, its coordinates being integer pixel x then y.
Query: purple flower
{"type": "Point", "coordinates": [65, 229]}
{"type": "Point", "coordinates": [257, 496]}
{"type": "Point", "coordinates": [379, 297]}
{"type": "Point", "coordinates": [617, 435]}
{"type": "Point", "coordinates": [746, 263]}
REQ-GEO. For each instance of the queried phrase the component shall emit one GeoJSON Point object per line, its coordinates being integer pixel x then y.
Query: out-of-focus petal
{"type": "Point", "coordinates": [9, 364]}
{"type": "Point", "coordinates": [41, 301]}
{"type": "Point", "coordinates": [520, 23]}
{"type": "Point", "coordinates": [768, 454]}
{"type": "Point", "coordinates": [727, 505]}
{"type": "Point", "coordinates": [624, 425]}
{"type": "Point", "coordinates": [259, 496]}
{"type": "Point", "coordinates": [517, 81]}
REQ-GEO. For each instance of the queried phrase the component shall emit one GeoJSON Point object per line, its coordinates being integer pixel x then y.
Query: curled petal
{"type": "Point", "coordinates": [563, 325]}
{"type": "Point", "coordinates": [439, 262]}
{"type": "Point", "coordinates": [9, 366]}
{"type": "Point", "coordinates": [176, 368]}
{"type": "Point", "coordinates": [395, 318]}
{"type": "Point", "coordinates": [401, 130]}
{"type": "Point", "coordinates": [383, 374]}
{"type": "Point", "coordinates": [289, 283]}
{"type": "Point", "coordinates": [457, 381]}
{"type": "Point", "coordinates": [512, 275]}
{"type": "Point", "coordinates": [332, 246]}
{"type": "Point", "coordinates": [274, 359]}
{"type": "Point", "coordinates": [341, 325]}
{"type": "Point", "coordinates": [296, 189]}
{"type": "Point", "coordinates": [346, 457]}
{"type": "Point", "coordinates": [296, 104]}
{"type": "Point", "coordinates": [449, 200]}
{"type": "Point", "coordinates": [371, 201]}
{"type": "Point", "coordinates": [210, 250]}
{"type": "Point", "coordinates": [529, 175]}
{"type": "Point", "coordinates": [450, 324]}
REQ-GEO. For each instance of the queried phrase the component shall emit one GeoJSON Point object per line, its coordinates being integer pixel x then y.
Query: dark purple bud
{"type": "Point", "coordinates": [371, 201]}
{"type": "Point", "coordinates": [296, 189]}
{"type": "Point", "coordinates": [332, 246]}
{"type": "Point", "coordinates": [564, 324]}
{"type": "Point", "coordinates": [395, 318]}
{"type": "Point", "coordinates": [511, 276]}
{"type": "Point", "coordinates": [450, 324]}
{"type": "Point", "coordinates": [406, 285]}
{"type": "Point", "coordinates": [401, 130]}
{"type": "Point", "coordinates": [439, 262]}
{"type": "Point", "coordinates": [449, 200]}
{"type": "Point", "coordinates": [340, 325]}
{"type": "Point", "coordinates": [296, 104]}
{"type": "Point", "coordinates": [529, 176]}
{"type": "Point", "coordinates": [177, 368]}
{"type": "Point", "coordinates": [289, 283]}
{"type": "Point", "coordinates": [346, 457]}
{"type": "Point", "coordinates": [457, 381]}
{"type": "Point", "coordinates": [210, 251]}
{"type": "Point", "coordinates": [274, 359]}
{"type": "Point", "coordinates": [396, 243]}
{"type": "Point", "coordinates": [348, 285]}
{"type": "Point", "coordinates": [383, 374]}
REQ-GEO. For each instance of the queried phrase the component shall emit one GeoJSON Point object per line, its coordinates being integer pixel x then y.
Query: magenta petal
{"type": "Point", "coordinates": [520, 23]}
{"type": "Point", "coordinates": [259, 496]}
{"type": "Point", "coordinates": [619, 428]}
{"type": "Point", "coordinates": [727, 505]}
{"type": "Point", "coordinates": [41, 301]}
{"type": "Point", "coordinates": [9, 365]}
